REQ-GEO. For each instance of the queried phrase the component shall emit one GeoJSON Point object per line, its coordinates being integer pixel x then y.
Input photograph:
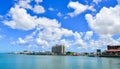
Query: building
{"type": "Point", "coordinates": [112, 50]}
{"type": "Point", "coordinates": [58, 50]}
{"type": "Point", "coordinates": [98, 52]}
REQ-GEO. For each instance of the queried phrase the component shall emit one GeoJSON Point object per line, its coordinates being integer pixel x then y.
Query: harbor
{"type": "Point", "coordinates": [21, 61]}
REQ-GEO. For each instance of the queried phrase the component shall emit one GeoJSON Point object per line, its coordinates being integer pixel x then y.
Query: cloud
{"type": "Point", "coordinates": [21, 41]}
{"type": "Point", "coordinates": [106, 22]}
{"type": "Point", "coordinates": [59, 14]}
{"type": "Point", "coordinates": [38, 1]}
{"type": "Point", "coordinates": [97, 1]}
{"type": "Point", "coordinates": [38, 9]}
{"type": "Point", "coordinates": [41, 42]}
{"type": "Point", "coordinates": [100, 43]}
{"type": "Point", "coordinates": [46, 37]}
{"type": "Point", "coordinates": [20, 19]}
{"type": "Point", "coordinates": [91, 8]}
{"type": "Point", "coordinates": [66, 42]}
{"type": "Point", "coordinates": [51, 9]}
{"type": "Point", "coordinates": [78, 8]}
{"type": "Point", "coordinates": [46, 22]}
{"type": "Point", "coordinates": [88, 35]}
{"type": "Point", "coordinates": [48, 32]}
{"type": "Point", "coordinates": [26, 5]}
{"type": "Point", "coordinates": [66, 17]}
{"type": "Point", "coordinates": [103, 42]}
{"type": "Point", "coordinates": [78, 39]}
{"type": "Point", "coordinates": [54, 34]}
{"type": "Point", "coordinates": [26, 40]}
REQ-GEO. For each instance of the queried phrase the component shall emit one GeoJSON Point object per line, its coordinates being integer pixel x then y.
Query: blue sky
{"type": "Point", "coordinates": [37, 25]}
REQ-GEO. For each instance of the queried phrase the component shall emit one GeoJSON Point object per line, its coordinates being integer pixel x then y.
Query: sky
{"type": "Point", "coordinates": [80, 25]}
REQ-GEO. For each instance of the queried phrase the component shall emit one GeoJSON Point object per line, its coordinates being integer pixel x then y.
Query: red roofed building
{"type": "Point", "coordinates": [113, 50]}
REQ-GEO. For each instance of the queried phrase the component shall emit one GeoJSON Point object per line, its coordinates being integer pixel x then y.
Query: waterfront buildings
{"type": "Point", "coordinates": [113, 49]}
{"type": "Point", "coordinates": [59, 50]}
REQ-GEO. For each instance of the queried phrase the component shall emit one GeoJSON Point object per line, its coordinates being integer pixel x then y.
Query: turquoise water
{"type": "Point", "coordinates": [12, 61]}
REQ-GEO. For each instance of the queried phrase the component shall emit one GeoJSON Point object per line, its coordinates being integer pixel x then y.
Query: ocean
{"type": "Point", "coordinates": [20, 61]}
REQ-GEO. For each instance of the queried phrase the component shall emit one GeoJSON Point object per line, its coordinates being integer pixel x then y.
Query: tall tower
{"type": "Point", "coordinates": [59, 50]}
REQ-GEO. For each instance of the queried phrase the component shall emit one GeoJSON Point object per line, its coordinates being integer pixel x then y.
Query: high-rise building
{"type": "Point", "coordinates": [98, 51]}
{"type": "Point", "coordinates": [58, 49]}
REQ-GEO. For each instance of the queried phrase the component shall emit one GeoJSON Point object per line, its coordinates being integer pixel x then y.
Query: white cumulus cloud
{"type": "Point", "coordinates": [46, 22]}
{"type": "Point", "coordinates": [48, 32]}
{"type": "Point", "coordinates": [88, 35]}
{"type": "Point", "coordinates": [25, 4]}
{"type": "Point", "coordinates": [97, 1]}
{"type": "Point", "coordinates": [78, 8]}
{"type": "Point", "coordinates": [106, 22]}
{"type": "Point", "coordinates": [20, 19]}
{"type": "Point", "coordinates": [38, 1]}
{"type": "Point", "coordinates": [38, 9]}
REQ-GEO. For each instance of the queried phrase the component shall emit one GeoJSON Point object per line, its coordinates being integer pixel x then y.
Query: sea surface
{"type": "Point", "coordinates": [17, 61]}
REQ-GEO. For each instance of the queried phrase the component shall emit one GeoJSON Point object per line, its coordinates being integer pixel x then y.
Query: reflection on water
{"type": "Point", "coordinates": [11, 61]}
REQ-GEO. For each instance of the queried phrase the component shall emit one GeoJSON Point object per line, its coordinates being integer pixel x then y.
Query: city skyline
{"type": "Point", "coordinates": [80, 25]}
